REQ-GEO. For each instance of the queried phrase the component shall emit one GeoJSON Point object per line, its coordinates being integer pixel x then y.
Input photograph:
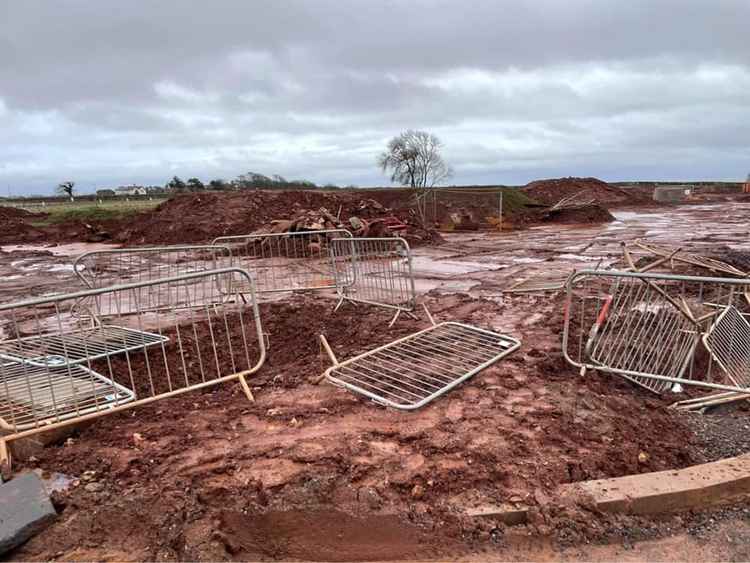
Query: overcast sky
{"type": "Point", "coordinates": [107, 93]}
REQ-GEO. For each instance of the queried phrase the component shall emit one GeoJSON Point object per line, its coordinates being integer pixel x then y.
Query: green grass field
{"type": "Point", "coordinates": [90, 210]}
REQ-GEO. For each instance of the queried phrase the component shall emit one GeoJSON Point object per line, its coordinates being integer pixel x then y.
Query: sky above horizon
{"type": "Point", "coordinates": [108, 94]}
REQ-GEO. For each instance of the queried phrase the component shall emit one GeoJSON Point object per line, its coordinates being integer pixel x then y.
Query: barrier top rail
{"type": "Point", "coordinates": [121, 256]}
{"type": "Point", "coordinates": [233, 238]}
{"type": "Point", "coordinates": [288, 261]}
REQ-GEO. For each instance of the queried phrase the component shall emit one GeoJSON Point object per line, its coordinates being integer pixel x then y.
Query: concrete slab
{"type": "Point", "coordinates": [25, 510]}
{"type": "Point", "coordinates": [694, 487]}
{"type": "Point", "coordinates": [668, 491]}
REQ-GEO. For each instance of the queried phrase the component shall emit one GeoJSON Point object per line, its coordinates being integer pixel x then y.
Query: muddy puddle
{"type": "Point", "coordinates": [487, 262]}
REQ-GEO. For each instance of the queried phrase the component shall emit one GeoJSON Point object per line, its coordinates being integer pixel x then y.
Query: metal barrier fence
{"type": "Point", "coordinates": [62, 362]}
{"type": "Point", "coordinates": [299, 261]}
{"type": "Point", "coordinates": [414, 370]}
{"type": "Point", "coordinates": [658, 330]}
{"type": "Point", "coordinates": [103, 268]}
{"type": "Point", "coordinates": [376, 271]}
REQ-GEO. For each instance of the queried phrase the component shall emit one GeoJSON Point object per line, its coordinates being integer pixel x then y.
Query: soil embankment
{"type": "Point", "coordinates": [549, 192]}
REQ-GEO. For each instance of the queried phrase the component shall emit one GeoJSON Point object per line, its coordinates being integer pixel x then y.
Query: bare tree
{"type": "Point", "coordinates": [413, 159]}
{"type": "Point", "coordinates": [66, 188]}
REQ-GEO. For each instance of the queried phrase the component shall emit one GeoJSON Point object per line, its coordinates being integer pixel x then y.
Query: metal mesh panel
{"type": "Point", "coordinates": [32, 395]}
{"type": "Point", "coordinates": [76, 345]}
{"type": "Point", "coordinates": [376, 271]}
{"type": "Point", "coordinates": [411, 372]}
{"type": "Point", "coordinates": [646, 327]}
{"type": "Point", "coordinates": [298, 261]}
{"type": "Point", "coordinates": [102, 268]}
{"type": "Point", "coordinates": [638, 331]}
{"type": "Point", "coordinates": [62, 364]}
{"type": "Point", "coordinates": [728, 340]}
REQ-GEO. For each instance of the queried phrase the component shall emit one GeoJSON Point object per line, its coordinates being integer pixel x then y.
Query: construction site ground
{"type": "Point", "coordinates": [314, 472]}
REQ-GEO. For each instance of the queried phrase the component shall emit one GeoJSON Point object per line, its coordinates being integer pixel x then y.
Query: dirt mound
{"type": "Point", "coordinates": [199, 218]}
{"type": "Point", "coordinates": [580, 215]}
{"type": "Point", "coordinates": [15, 225]}
{"type": "Point", "coordinates": [21, 226]}
{"type": "Point", "coordinates": [7, 213]}
{"type": "Point", "coordinates": [551, 191]}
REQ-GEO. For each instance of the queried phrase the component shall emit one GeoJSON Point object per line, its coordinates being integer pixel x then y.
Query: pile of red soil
{"type": "Point", "coordinates": [199, 218]}
{"type": "Point", "coordinates": [551, 191]}
{"type": "Point", "coordinates": [8, 213]}
{"type": "Point", "coordinates": [15, 224]}
{"type": "Point", "coordinates": [589, 214]}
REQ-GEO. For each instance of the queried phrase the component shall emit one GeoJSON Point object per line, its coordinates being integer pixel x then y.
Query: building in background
{"type": "Point", "coordinates": [131, 190]}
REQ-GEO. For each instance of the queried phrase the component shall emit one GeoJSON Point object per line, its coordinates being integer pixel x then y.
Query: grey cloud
{"type": "Point", "coordinates": [111, 93]}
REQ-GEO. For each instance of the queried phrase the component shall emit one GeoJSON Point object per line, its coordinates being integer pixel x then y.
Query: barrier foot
{"type": "Point", "coordinates": [336, 308]}
{"type": "Point", "coordinates": [395, 317]}
{"type": "Point", "coordinates": [429, 315]}
{"type": "Point", "coordinates": [324, 344]}
{"type": "Point", "coordinates": [5, 466]}
{"type": "Point", "coordinates": [246, 389]}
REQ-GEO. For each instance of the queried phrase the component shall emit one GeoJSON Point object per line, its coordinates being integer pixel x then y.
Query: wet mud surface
{"type": "Point", "coordinates": [314, 472]}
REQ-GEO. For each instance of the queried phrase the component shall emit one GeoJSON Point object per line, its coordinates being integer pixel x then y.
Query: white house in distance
{"type": "Point", "coordinates": [131, 190]}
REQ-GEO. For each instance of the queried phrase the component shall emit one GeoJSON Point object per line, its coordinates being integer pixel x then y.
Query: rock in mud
{"type": "Point", "coordinates": [25, 510]}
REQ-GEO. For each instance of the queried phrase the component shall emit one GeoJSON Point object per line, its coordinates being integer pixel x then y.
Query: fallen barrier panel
{"type": "Point", "coordinates": [299, 261]}
{"type": "Point", "coordinates": [728, 341]}
{"type": "Point", "coordinates": [649, 327]}
{"type": "Point", "coordinates": [61, 362]}
{"type": "Point", "coordinates": [376, 271]}
{"type": "Point", "coordinates": [412, 371]}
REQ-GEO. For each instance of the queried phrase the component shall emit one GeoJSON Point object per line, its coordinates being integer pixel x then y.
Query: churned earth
{"type": "Point", "coordinates": [311, 471]}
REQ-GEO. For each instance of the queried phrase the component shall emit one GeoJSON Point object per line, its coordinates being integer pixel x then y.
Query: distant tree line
{"type": "Point", "coordinates": [248, 181]}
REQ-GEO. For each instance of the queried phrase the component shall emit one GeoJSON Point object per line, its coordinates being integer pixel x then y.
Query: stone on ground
{"type": "Point", "coordinates": [25, 510]}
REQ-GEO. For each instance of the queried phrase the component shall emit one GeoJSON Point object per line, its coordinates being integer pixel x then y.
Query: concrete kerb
{"type": "Point", "coordinates": [698, 486]}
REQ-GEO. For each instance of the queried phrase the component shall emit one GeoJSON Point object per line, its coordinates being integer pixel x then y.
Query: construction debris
{"type": "Point", "coordinates": [708, 401]}
{"type": "Point", "coordinates": [577, 208]}
{"type": "Point", "coordinates": [646, 327]}
{"type": "Point", "coordinates": [574, 201]}
{"type": "Point", "coordinates": [550, 191]}
{"type": "Point", "coordinates": [671, 256]}
{"type": "Point", "coordinates": [536, 284]}
{"type": "Point", "coordinates": [728, 342]}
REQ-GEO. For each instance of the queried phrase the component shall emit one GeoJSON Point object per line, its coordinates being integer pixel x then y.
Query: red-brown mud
{"type": "Point", "coordinates": [172, 471]}
{"type": "Point", "coordinates": [21, 226]}
{"type": "Point", "coordinates": [589, 214]}
{"type": "Point", "coordinates": [208, 475]}
{"type": "Point", "coordinates": [551, 191]}
{"type": "Point", "coordinates": [202, 217]}
{"type": "Point", "coordinates": [325, 535]}
{"type": "Point", "coordinates": [15, 225]}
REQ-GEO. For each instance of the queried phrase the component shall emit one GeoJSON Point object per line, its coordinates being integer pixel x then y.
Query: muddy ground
{"type": "Point", "coordinates": [314, 472]}
{"type": "Point", "coordinates": [201, 217]}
